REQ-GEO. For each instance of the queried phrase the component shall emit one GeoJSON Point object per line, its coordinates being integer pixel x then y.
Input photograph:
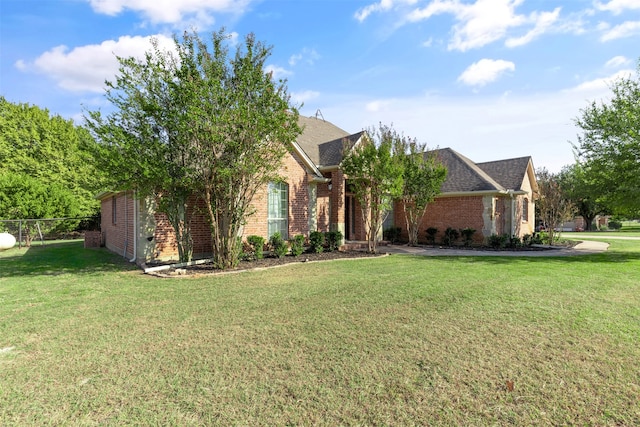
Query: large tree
{"type": "Point", "coordinates": [610, 144]}
{"type": "Point", "coordinates": [199, 122]}
{"type": "Point", "coordinates": [422, 177]}
{"type": "Point", "coordinates": [240, 125]}
{"type": "Point", "coordinates": [51, 150]}
{"type": "Point", "coordinates": [375, 175]}
{"type": "Point", "coordinates": [553, 204]}
{"type": "Point", "coordinates": [144, 142]}
{"type": "Point", "coordinates": [583, 191]}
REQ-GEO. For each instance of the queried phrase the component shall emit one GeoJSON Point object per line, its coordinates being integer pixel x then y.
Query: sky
{"type": "Point", "coordinates": [491, 79]}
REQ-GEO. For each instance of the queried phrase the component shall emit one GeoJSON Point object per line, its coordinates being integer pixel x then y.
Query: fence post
{"type": "Point", "coordinates": [20, 234]}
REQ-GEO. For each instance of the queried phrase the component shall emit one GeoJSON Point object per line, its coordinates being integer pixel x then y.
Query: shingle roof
{"type": "Point", "coordinates": [510, 172]}
{"type": "Point", "coordinates": [323, 141]}
{"type": "Point", "coordinates": [464, 175]}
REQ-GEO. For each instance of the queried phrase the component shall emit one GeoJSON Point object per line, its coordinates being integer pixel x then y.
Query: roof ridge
{"type": "Point", "coordinates": [473, 166]}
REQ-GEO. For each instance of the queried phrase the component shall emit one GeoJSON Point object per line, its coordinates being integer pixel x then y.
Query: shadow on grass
{"type": "Point", "coordinates": [608, 257]}
{"type": "Point", "coordinates": [60, 258]}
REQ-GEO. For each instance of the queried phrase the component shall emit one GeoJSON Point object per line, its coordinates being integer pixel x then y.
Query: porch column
{"type": "Point", "coordinates": [336, 221]}
{"type": "Point", "coordinates": [313, 206]}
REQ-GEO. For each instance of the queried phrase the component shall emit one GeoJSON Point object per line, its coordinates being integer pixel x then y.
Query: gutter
{"type": "Point", "coordinates": [135, 228]}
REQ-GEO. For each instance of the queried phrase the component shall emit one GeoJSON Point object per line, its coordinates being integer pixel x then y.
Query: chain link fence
{"type": "Point", "coordinates": [48, 230]}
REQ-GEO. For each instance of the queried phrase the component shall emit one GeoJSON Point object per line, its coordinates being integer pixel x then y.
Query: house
{"type": "Point", "coordinates": [494, 198]}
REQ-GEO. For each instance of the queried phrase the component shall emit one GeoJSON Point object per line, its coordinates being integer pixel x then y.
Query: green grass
{"type": "Point", "coordinates": [399, 340]}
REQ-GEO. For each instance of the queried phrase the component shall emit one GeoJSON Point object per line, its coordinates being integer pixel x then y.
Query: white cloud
{"type": "Point", "coordinates": [363, 13]}
{"type": "Point", "coordinates": [485, 71]}
{"type": "Point", "coordinates": [307, 55]}
{"type": "Point", "coordinates": [626, 29]}
{"type": "Point", "coordinates": [85, 68]}
{"type": "Point", "coordinates": [618, 61]}
{"type": "Point", "coordinates": [21, 65]}
{"type": "Point", "coordinates": [486, 21]}
{"type": "Point", "coordinates": [171, 11]}
{"type": "Point", "coordinates": [543, 22]}
{"type": "Point", "coordinates": [602, 84]}
{"type": "Point", "coordinates": [618, 6]}
{"type": "Point", "coordinates": [304, 96]}
{"type": "Point", "coordinates": [278, 72]}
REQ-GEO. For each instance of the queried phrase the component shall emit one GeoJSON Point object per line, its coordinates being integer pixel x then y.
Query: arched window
{"type": "Point", "coordinates": [278, 209]}
{"type": "Point", "coordinates": [525, 209]}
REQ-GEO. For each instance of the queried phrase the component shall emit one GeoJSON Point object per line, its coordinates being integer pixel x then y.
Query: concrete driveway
{"type": "Point", "coordinates": [582, 248]}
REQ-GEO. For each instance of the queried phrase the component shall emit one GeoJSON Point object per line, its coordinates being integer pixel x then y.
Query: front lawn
{"type": "Point", "coordinates": [87, 340]}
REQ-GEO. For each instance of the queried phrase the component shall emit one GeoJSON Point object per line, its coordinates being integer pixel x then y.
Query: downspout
{"type": "Point", "coordinates": [513, 213]}
{"type": "Point", "coordinates": [135, 228]}
{"type": "Point", "coordinates": [126, 226]}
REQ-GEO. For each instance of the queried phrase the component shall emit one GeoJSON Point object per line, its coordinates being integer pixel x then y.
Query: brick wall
{"type": "Point", "coordinates": [444, 212]}
{"type": "Point", "coordinates": [118, 235]}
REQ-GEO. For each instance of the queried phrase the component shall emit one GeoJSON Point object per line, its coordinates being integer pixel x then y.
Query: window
{"type": "Point", "coordinates": [278, 209]}
{"type": "Point", "coordinates": [525, 210]}
{"type": "Point", "coordinates": [114, 210]}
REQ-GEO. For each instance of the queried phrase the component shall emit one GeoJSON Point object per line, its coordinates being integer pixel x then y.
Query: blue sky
{"type": "Point", "coordinates": [492, 79]}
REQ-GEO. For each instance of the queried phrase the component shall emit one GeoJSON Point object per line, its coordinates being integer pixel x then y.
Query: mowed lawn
{"type": "Point", "coordinates": [85, 339]}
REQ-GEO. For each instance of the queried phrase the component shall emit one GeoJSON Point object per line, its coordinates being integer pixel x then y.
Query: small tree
{"type": "Point", "coordinates": [553, 205]}
{"type": "Point", "coordinates": [375, 175]}
{"type": "Point", "coordinates": [584, 192]}
{"type": "Point", "coordinates": [423, 175]}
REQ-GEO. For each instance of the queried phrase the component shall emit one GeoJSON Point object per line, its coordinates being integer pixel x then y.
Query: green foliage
{"type": "Point", "coordinates": [199, 121]}
{"type": "Point", "coordinates": [278, 245]}
{"type": "Point", "coordinates": [257, 245]}
{"type": "Point", "coordinates": [609, 145]}
{"type": "Point", "coordinates": [52, 151]}
{"type": "Point", "coordinates": [553, 204]}
{"type": "Point", "coordinates": [297, 245]}
{"type": "Point", "coordinates": [467, 235]}
{"type": "Point", "coordinates": [422, 177]}
{"type": "Point", "coordinates": [499, 241]}
{"type": "Point", "coordinates": [584, 192]}
{"type": "Point", "coordinates": [515, 242]}
{"type": "Point", "coordinates": [614, 225]}
{"type": "Point", "coordinates": [333, 239]}
{"type": "Point", "coordinates": [392, 234]}
{"type": "Point", "coordinates": [450, 236]}
{"type": "Point", "coordinates": [431, 235]}
{"type": "Point", "coordinates": [375, 175]}
{"type": "Point", "coordinates": [316, 241]}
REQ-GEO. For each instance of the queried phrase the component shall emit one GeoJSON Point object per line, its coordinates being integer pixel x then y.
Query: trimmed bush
{"type": "Point", "coordinates": [450, 236]}
{"type": "Point", "coordinates": [256, 244]}
{"type": "Point", "coordinates": [431, 235]}
{"type": "Point", "coordinates": [316, 242]}
{"type": "Point", "coordinates": [392, 234]}
{"type": "Point", "coordinates": [333, 239]}
{"type": "Point", "coordinates": [498, 241]}
{"type": "Point", "coordinates": [467, 235]}
{"type": "Point", "coordinates": [615, 225]}
{"type": "Point", "coordinates": [297, 245]}
{"type": "Point", "coordinates": [278, 245]}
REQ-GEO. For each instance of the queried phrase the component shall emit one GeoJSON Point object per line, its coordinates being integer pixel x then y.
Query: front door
{"type": "Point", "coordinates": [349, 217]}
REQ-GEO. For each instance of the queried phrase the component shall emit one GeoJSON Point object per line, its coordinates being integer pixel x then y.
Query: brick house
{"type": "Point", "coordinates": [495, 197]}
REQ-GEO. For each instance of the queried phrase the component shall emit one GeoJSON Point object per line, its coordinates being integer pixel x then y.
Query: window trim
{"type": "Point", "coordinates": [281, 191]}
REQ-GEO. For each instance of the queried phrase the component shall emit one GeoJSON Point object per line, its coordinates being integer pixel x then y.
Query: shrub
{"type": "Point", "coordinates": [297, 245]}
{"type": "Point", "coordinates": [316, 241]}
{"type": "Point", "coordinates": [256, 246]}
{"type": "Point", "coordinates": [333, 239]}
{"type": "Point", "coordinates": [431, 235]}
{"type": "Point", "coordinates": [527, 240]}
{"type": "Point", "coordinates": [467, 235]}
{"type": "Point", "coordinates": [450, 236]}
{"type": "Point", "coordinates": [615, 225]}
{"type": "Point", "coordinates": [498, 241]}
{"type": "Point", "coordinates": [392, 234]}
{"type": "Point", "coordinates": [278, 245]}
{"type": "Point", "coordinates": [515, 242]}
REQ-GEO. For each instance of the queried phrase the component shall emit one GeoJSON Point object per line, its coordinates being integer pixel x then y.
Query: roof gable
{"type": "Point", "coordinates": [463, 175]}
{"type": "Point", "coordinates": [510, 173]}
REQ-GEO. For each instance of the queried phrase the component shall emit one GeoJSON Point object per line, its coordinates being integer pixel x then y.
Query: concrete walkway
{"type": "Point", "coordinates": [582, 248]}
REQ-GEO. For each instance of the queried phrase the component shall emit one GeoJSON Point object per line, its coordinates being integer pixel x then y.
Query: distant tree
{"type": "Point", "coordinates": [51, 150]}
{"type": "Point", "coordinates": [610, 145]}
{"type": "Point", "coordinates": [375, 175]}
{"type": "Point", "coordinates": [553, 204]}
{"type": "Point", "coordinates": [583, 192]}
{"type": "Point", "coordinates": [24, 197]}
{"type": "Point", "coordinates": [422, 177]}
